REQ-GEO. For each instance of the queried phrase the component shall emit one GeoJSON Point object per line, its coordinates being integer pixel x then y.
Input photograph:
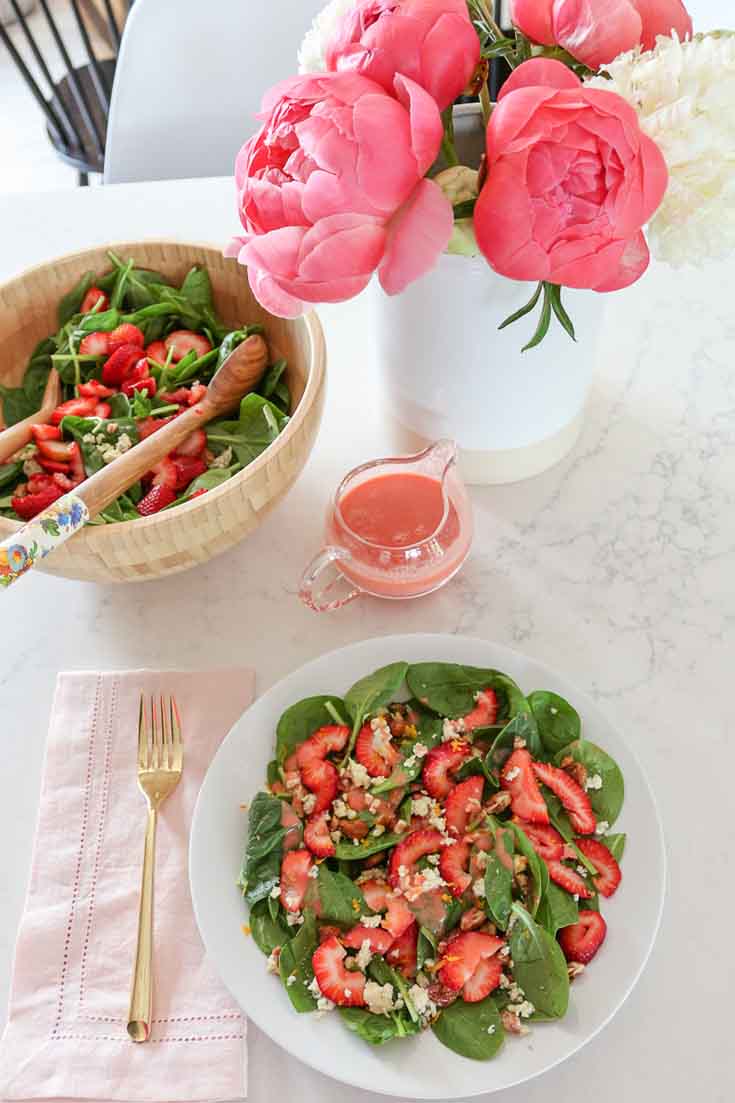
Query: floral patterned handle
{"type": "Point", "coordinates": [42, 535]}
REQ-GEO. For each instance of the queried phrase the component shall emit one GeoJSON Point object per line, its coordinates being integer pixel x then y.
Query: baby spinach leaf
{"type": "Point", "coordinates": [122, 509]}
{"type": "Point", "coordinates": [558, 723]}
{"type": "Point", "coordinates": [606, 802]}
{"type": "Point", "coordinates": [371, 844]}
{"type": "Point", "coordinates": [262, 864]}
{"type": "Point", "coordinates": [259, 424]}
{"type": "Point", "coordinates": [271, 379]}
{"type": "Point", "coordinates": [71, 303]}
{"type": "Point", "coordinates": [615, 844]}
{"type": "Point", "coordinates": [382, 973]}
{"type": "Point", "coordinates": [210, 480]}
{"type": "Point", "coordinates": [104, 433]}
{"type": "Point", "coordinates": [10, 473]}
{"type": "Point", "coordinates": [523, 726]}
{"type": "Point", "coordinates": [268, 932]}
{"type": "Point", "coordinates": [376, 1030]}
{"type": "Point", "coordinates": [371, 693]}
{"type": "Point", "coordinates": [197, 288]}
{"type": "Point", "coordinates": [340, 898]}
{"type": "Point", "coordinates": [472, 1030]}
{"type": "Point", "coordinates": [560, 820]}
{"type": "Point", "coordinates": [558, 909]}
{"type": "Point", "coordinates": [498, 894]}
{"type": "Point", "coordinates": [537, 869]}
{"type": "Point", "coordinates": [230, 342]}
{"type": "Point", "coordinates": [20, 402]}
{"type": "Point", "coordinates": [449, 689]}
{"type": "Point", "coordinates": [294, 961]}
{"type": "Point", "coordinates": [539, 966]}
{"type": "Point", "coordinates": [426, 947]}
{"type": "Point", "coordinates": [301, 720]}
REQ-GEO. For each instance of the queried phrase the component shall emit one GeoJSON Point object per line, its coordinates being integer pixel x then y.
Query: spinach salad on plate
{"type": "Point", "coordinates": [430, 852]}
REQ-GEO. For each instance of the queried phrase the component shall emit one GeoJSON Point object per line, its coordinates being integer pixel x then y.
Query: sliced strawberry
{"type": "Point", "coordinates": [329, 930]}
{"type": "Point", "coordinates": [402, 954]}
{"type": "Point", "coordinates": [198, 493]}
{"type": "Point", "coordinates": [463, 954]}
{"type": "Point", "coordinates": [408, 851]}
{"type": "Point", "coordinates": [75, 407]}
{"type": "Point", "coordinates": [103, 410]}
{"type": "Point", "coordinates": [582, 940]}
{"type": "Point", "coordinates": [572, 796]}
{"type": "Point", "coordinates": [485, 712]}
{"type": "Point", "coordinates": [184, 340]}
{"type": "Point", "coordinates": [187, 469]}
{"type": "Point", "coordinates": [53, 468]}
{"type": "Point", "coordinates": [39, 483]}
{"type": "Point", "coordinates": [76, 462]}
{"type": "Point", "coordinates": [569, 879]}
{"type": "Point", "coordinates": [295, 868]}
{"type": "Point", "coordinates": [57, 450]}
{"type": "Point", "coordinates": [149, 425]}
{"type": "Point", "coordinates": [609, 874]}
{"type": "Point", "coordinates": [484, 980]}
{"type": "Point", "coordinates": [375, 751]}
{"type": "Point", "coordinates": [518, 779]}
{"type": "Point", "coordinates": [120, 364]}
{"type": "Point", "coordinates": [317, 837]}
{"type": "Point", "coordinates": [463, 805]}
{"type": "Point", "coordinates": [94, 389]}
{"type": "Point", "coordinates": [504, 836]}
{"type": "Point", "coordinates": [330, 739]}
{"type": "Point", "coordinates": [375, 892]}
{"type": "Point", "coordinates": [453, 865]}
{"type": "Point", "coordinates": [45, 432]}
{"type": "Point", "coordinates": [157, 498]}
{"type": "Point", "coordinates": [335, 982]}
{"type": "Point", "coordinates": [126, 334]}
{"type": "Point", "coordinates": [322, 779]}
{"type": "Point", "coordinates": [398, 918]}
{"type": "Point", "coordinates": [64, 482]}
{"type": "Point", "coordinates": [156, 351]}
{"type": "Point", "coordinates": [194, 444]}
{"type": "Point", "coordinates": [439, 764]}
{"type": "Point", "coordinates": [28, 506]}
{"type": "Point", "coordinates": [95, 344]}
{"type": "Point", "coordinates": [545, 839]}
{"type": "Point", "coordinates": [292, 824]}
{"type": "Point", "coordinates": [165, 474]}
{"type": "Point", "coordinates": [147, 383]}
{"type": "Point", "coordinates": [380, 941]}
{"type": "Point", "coordinates": [92, 298]}
{"type": "Point", "coordinates": [357, 799]}
{"type": "Point", "coordinates": [197, 392]}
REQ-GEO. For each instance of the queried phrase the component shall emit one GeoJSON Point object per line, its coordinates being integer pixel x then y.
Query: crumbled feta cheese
{"type": "Point", "coordinates": [323, 1004]}
{"type": "Point", "coordinates": [594, 782]}
{"type": "Point", "coordinates": [419, 997]}
{"type": "Point", "coordinates": [504, 982]}
{"type": "Point", "coordinates": [410, 762]}
{"type": "Point", "coordinates": [553, 711]}
{"type": "Point", "coordinates": [481, 859]}
{"type": "Point", "coordinates": [478, 888]}
{"type": "Point", "coordinates": [438, 822]}
{"type": "Point", "coordinates": [359, 775]}
{"type": "Point", "coordinates": [491, 1028]}
{"type": "Point", "coordinates": [525, 1009]}
{"type": "Point", "coordinates": [378, 997]}
{"type": "Point", "coordinates": [313, 872]}
{"type": "Point", "coordinates": [272, 962]}
{"type": "Point", "coordinates": [314, 988]}
{"type": "Point", "coordinates": [275, 892]}
{"type": "Point", "coordinates": [294, 919]}
{"type": "Point", "coordinates": [582, 871]}
{"type": "Point", "coordinates": [340, 809]}
{"type": "Point", "coordinates": [124, 443]}
{"type": "Point", "coordinates": [400, 826]}
{"type": "Point", "coordinates": [602, 827]}
{"type": "Point", "coordinates": [576, 897]}
{"type": "Point", "coordinates": [335, 836]}
{"type": "Point", "coordinates": [31, 467]}
{"type": "Point", "coordinates": [379, 829]}
{"type": "Point", "coordinates": [364, 955]}
{"type": "Point", "coordinates": [420, 750]}
{"type": "Point", "coordinates": [223, 460]}
{"type": "Point", "coordinates": [421, 806]}
{"type": "Point", "coordinates": [290, 980]}
{"type": "Point", "coordinates": [371, 920]}
{"type": "Point", "coordinates": [309, 803]}
{"type": "Point", "coordinates": [431, 879]}
{"type": "Point", "coordinates": [512, 774]}
{"type": "Point", "coordinates": [503, 951]}
{"type": "Point", "coordinates": [402, 871]}
{"type": "Point", "coordinates": [451, 729]}
{"type": "Point", "coordinates": [433, 859]}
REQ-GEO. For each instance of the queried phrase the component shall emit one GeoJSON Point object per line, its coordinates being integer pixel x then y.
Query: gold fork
{"type": "Point", "coordinates": [160, 762]}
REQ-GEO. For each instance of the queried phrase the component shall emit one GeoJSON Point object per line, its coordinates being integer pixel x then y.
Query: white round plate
{"type": "Point", "coordinates": [417, 1068]}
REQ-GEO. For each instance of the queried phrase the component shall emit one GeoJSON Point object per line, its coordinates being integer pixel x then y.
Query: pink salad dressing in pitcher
{"type": "Point", "coordinates": [397, 528]}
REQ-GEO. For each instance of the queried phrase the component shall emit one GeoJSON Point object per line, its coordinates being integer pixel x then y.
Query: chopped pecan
{"type": "Point", "coordinates": [575, 770]}
{"type": "Point", "coordinates": [520, 863]}
{"type": "Point", "coordinates": [575, 969]}
{"type": "Point", "coordinates": [498, 802]}
{"type": "Point", "coordinates": [441, 995]}
{"type": "Point", "coordinates": [354, 829]}
{"type": "Point", "coordinates": [472, 919]}
{"type": "Point", "coordinates": [512, 1022]}
{"type": "Point", "coordinates": [374, 860]}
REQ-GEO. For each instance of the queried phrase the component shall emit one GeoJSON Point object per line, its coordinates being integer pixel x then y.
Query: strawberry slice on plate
{"type": "Point", "coordinates": [582, 940]}
{"type": "Point", "coordinates": [485, 712]}
{"type": "Point", "coordinates": [569, 879]}
{"type": "Point", "coordinates": [94, 389]}
{"type": "Point", "coordinates": [317, 837]}
{"type": "Point", "coordinates": [95, 344]}
{"type": "Point", "coordinates": [398, 917]}
{"type": "Point", "coordinates": [463, 964]}
{"type": "Point", "coordinates": [380, 941]}
{"type": "Point", "coordinates": [406, 854]}
{"type": "Point", "coordinates": [375, 751]}
{"type": "Point", "coordinates": [439, 765]}
{"type": "Point", "coordinates": [609, 874]}
{"type": "Point", "coordinates": [295, 868]}
{"type": "Point", "coordinates": [545, 839]}
{"type": "Point", "coordinates": [517, 777]}
{"type": "Point", "coordinates": [291, 822]}
{"type": "Point", "coordinates": [338, 984]}
{"type": "Point", "coordinates": [463, 805]}
{"type": "Point", "coordinates": [573, 797]}
{"type": "Point", "coordinates": [376, 893]}
{"type": "Point", "coordinates": [453, 863]}
{"type": "Point", "coordinates": [45, 432]}
{"type": "Point", "coordinates": [402, 954]}
{"type": "Point", "coordinates": [327, 740]}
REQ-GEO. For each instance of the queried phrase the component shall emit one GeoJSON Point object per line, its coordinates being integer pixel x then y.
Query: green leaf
{"type": "Point", "coordinates": [544, 322]}
{"type": "Point", "coordinates": [197, 288]}
{"type": "Point", "coordinates": [382, 973]}
{"type": "Point", "coordinates": [498, 894]}
{"type": "Point", "coordinates": [539, 966]}
{"type": "Point", "coordinates": [426, 947]}
{"type": "Point", "coordinates": [616, 845]}
{"type": "Point", "coordinates": [560, 312]}
{"type": "Point", "coordinates": [10, 473]}
{"type": "Point", "coordinates": [371, 844]}
{"type": "Point", "coordinates": [259, 424]}
{"type": "Point", "coordinates": [340, 898]}
{"type": "Point", "coordinates": [301, 720]}
{"type": "Point", "coordinates": [557, 909]}
{"type": "Point", "coordinates": [536, 867]}
{"type": "Point", "coordinates": [209, 480]}
{"type": "Point", "coordinates": [608, 801]}
{"type": "Point", "coordinates": [472, 1030]}
{"type": "Point", "coordinates": [449, 689]}
{"type": "Point", "coordinates": [267, 931]}
{"type": "Point", "coordinates": [524, 309]}
{"type": "Point", "coordinates": [558, 722]}
{"type": "Point", "coordinates": [262, 863]}
{"type": "Point", "coordinates": [70, 304]}
{"type": "Point", "coordinates": [371, 693]}
{"type": "Point", "coordinates": [104, 433]}
{"type": "Point", "coordinates": [294, 961]}
{"type": "Point", "coordinates": [269, 383]}
{"type": "Point", "coordinates": [376, 1030]}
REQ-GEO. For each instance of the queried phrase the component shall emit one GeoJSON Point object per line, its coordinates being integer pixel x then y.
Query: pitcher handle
{"type": "Point", "coordinates": [328, 557]}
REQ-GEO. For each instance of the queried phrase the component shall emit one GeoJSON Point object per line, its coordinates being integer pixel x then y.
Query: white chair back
{"type": "Point", "coordinates": [190, 78]}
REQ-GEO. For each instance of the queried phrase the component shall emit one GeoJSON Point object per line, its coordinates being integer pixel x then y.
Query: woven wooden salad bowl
{"type": "Point", "coordinates": [193, 532]}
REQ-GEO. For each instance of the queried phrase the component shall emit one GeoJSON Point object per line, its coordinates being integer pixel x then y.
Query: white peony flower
{"type": "Point", "coordinates": [313, 50]}
{"type": "Point", "coordinates": [684, 93]}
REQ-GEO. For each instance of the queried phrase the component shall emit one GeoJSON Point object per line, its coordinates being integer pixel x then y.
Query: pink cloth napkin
{"type": "Point", "coordinates": [66, 1035]}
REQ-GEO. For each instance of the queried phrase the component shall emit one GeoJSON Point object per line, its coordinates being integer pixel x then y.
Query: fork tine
{"type": "Point", "coordinates": [167, 737]}
{"type": "Point", "coordinates": [142, 735]}
{"type": "Point", "coordinates": [156, 736]}
{"type": "Point", "coordinates": [177, 745]}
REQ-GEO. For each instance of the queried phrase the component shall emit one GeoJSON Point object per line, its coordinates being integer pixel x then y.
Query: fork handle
{"type": "Point", "coordinates": [141, 995]}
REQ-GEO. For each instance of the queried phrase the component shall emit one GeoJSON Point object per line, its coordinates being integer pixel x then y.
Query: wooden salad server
{"type": "Point", "coordinates": [18, 435]}
{"type": "Point", "coordinates": [239, 374]}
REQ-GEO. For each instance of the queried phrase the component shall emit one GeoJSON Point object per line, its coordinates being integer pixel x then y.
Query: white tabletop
{"type": "Point", "coordinates": [616, 568]}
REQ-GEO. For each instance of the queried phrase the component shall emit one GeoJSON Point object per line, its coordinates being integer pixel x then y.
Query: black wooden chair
{"type": "Point", "coordinates": [75, 106]}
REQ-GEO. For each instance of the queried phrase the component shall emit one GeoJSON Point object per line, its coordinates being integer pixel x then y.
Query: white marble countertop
{"type": "Point", "coordinates": [616, 567]}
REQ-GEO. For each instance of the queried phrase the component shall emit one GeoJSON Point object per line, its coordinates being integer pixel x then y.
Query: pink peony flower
{"type": "Point", "coordinates": [571, 181]}
{"type": "Point", "coordinates": [597, 31]}
{"type": "Point", "coordinates": [431, 42]}
{"type": "Point", "coordinates": [332, 188]}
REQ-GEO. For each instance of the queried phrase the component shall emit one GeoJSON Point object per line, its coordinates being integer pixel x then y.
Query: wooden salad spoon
{"type": "Point", "coordinates": [239, 374]}
{"type": "Point", "coordinates": [18, 435]}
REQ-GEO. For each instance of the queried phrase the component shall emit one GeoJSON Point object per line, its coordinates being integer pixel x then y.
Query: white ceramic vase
{"type": "Point", "coordinates": [449, 372]}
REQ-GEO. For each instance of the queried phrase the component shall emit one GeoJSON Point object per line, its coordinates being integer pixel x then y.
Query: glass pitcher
{"type": "Point", "coordinates": [397, 528]}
